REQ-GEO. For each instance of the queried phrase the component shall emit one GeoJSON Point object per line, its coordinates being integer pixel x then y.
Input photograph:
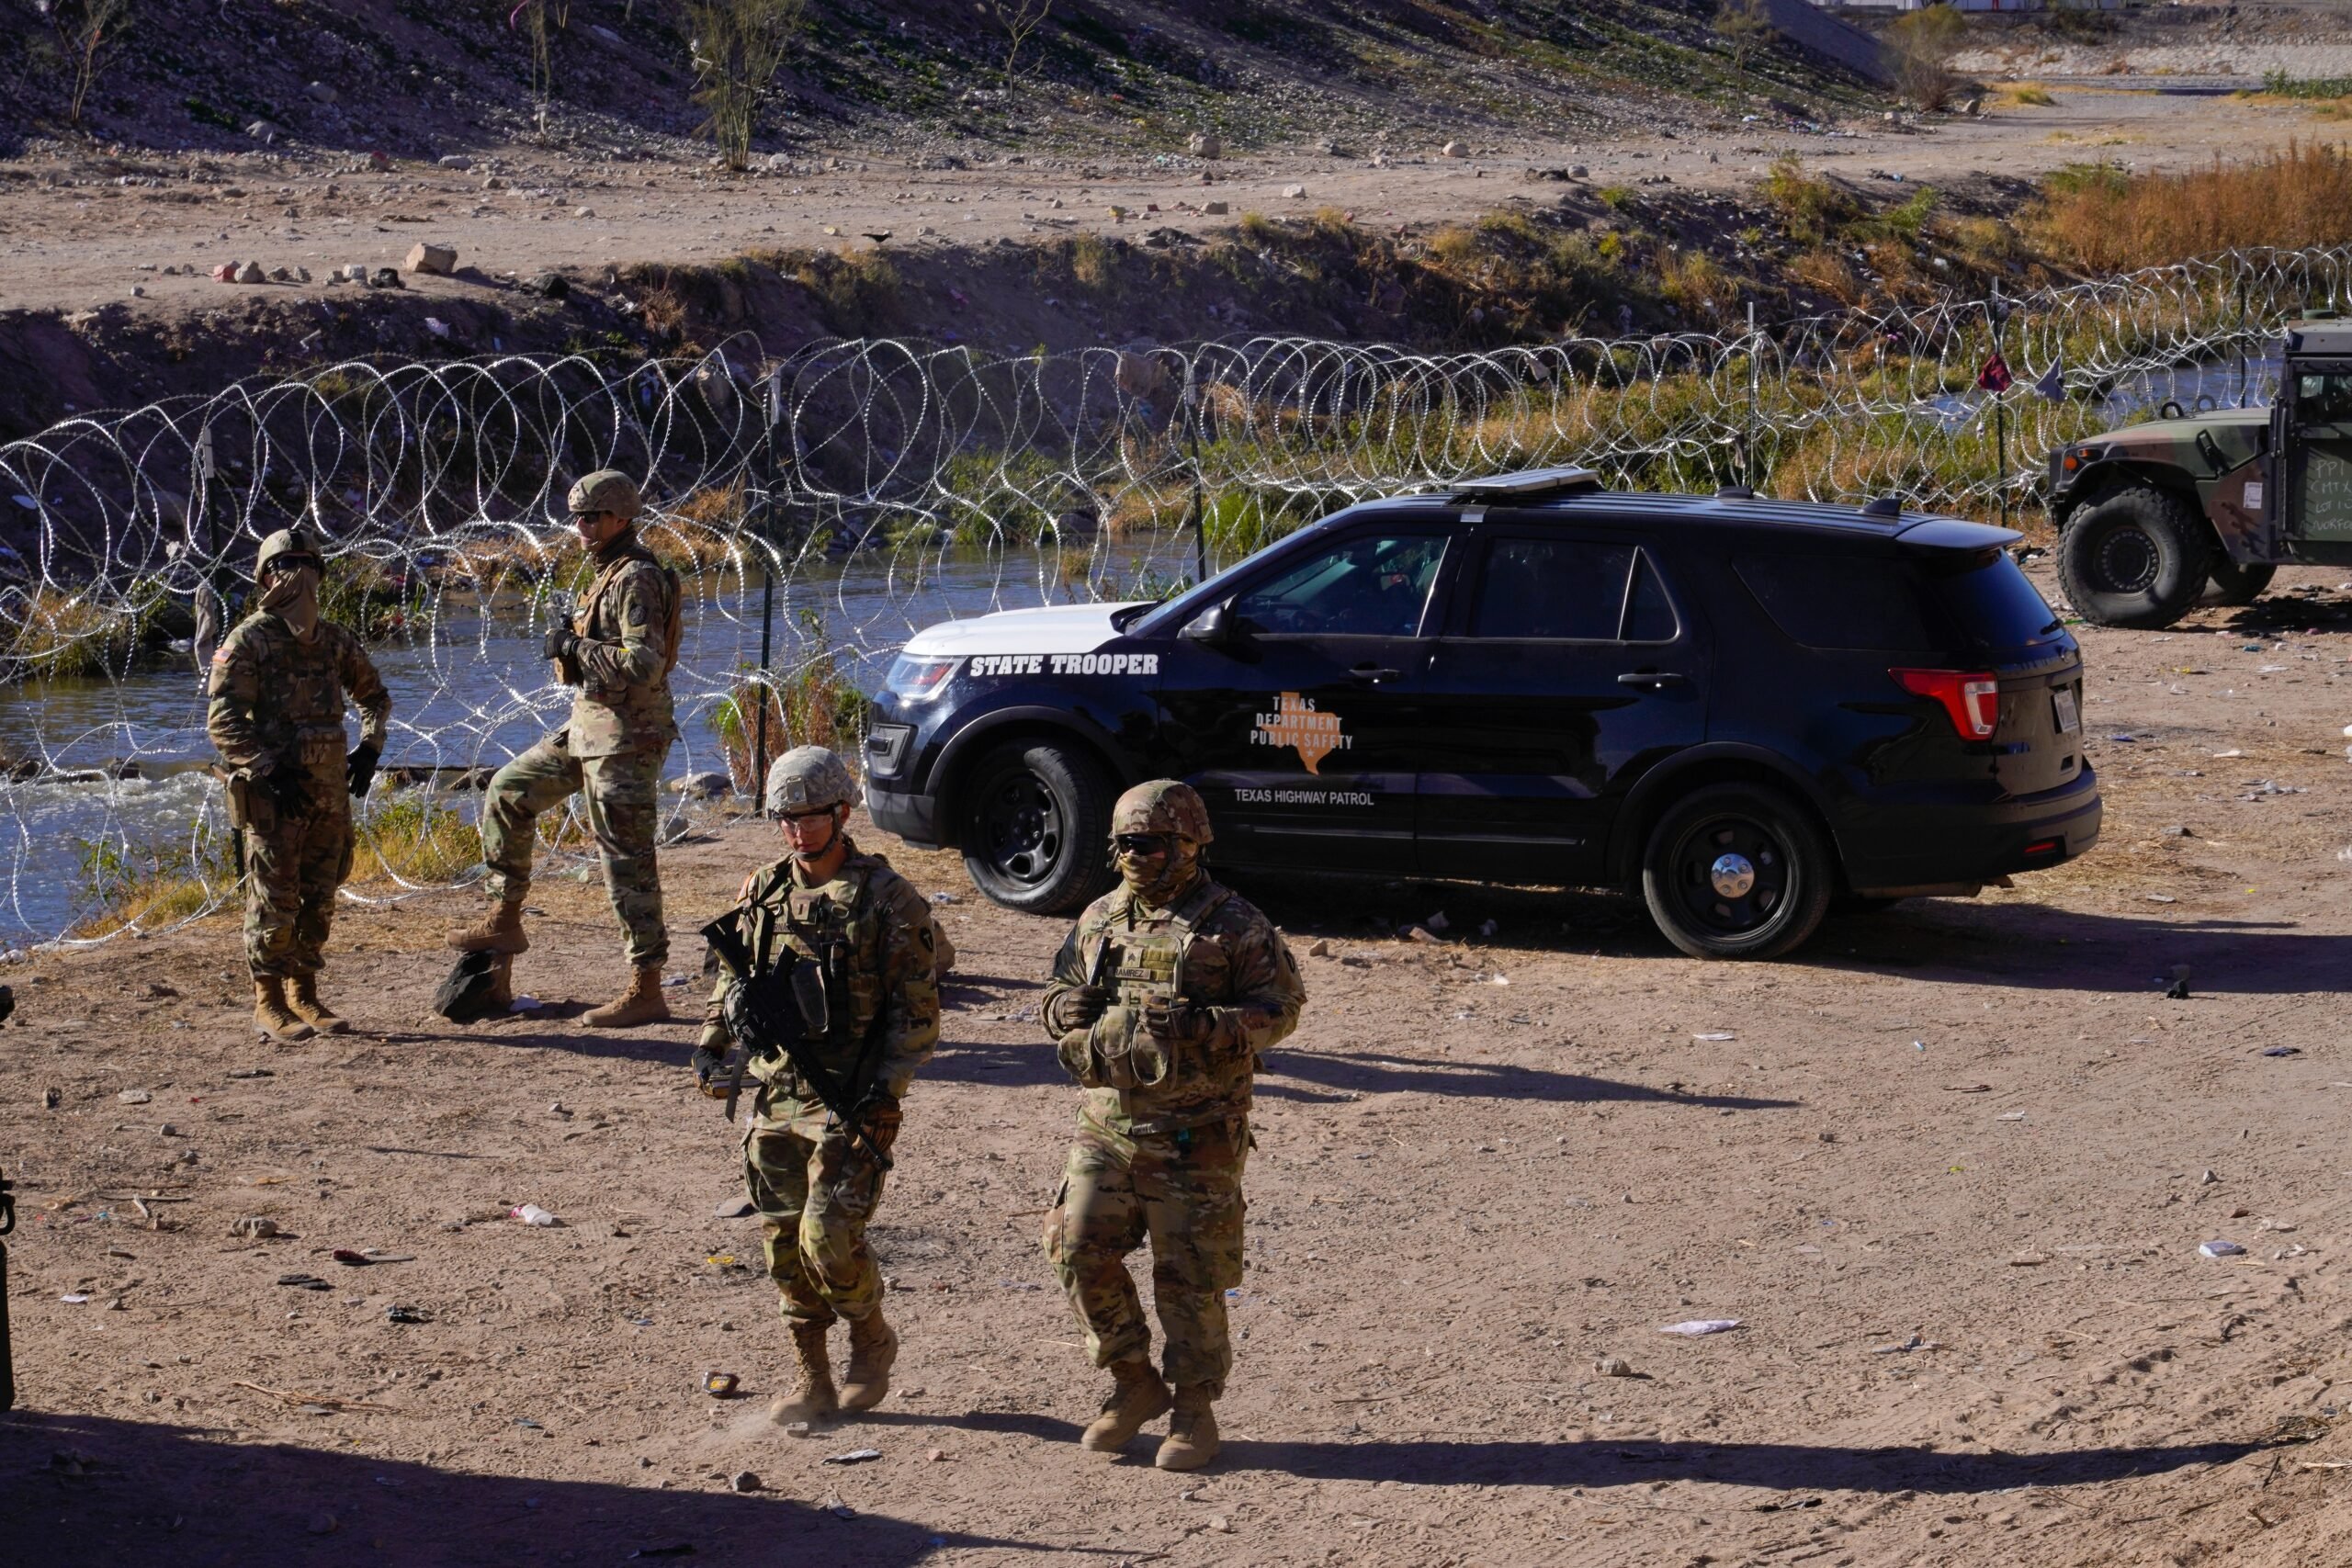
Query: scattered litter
{"type": "Point", "coordinates": [254, 1227]}
{"type": "Point", "coordinates": [304, 1282]}
{"type": "Point", "coordinates": [1968, 1089]}
{"type": "Point", "coordinates": [532, 1214]}
{"type": "Point", "coordinates": [134, 1097]}
{"type": "Point", "coordinates": [406, 1315]}
{"type": "Point", "coordinates": [1614, 1367]}
{"type": "Point", "coordinates": [1421, 934]}
{"type": "Point", "coordinates": [2011, 1116]}
{"type": "Point", "coordinates": [733, 1208]}
{"type": "Point", "coordinates": [2220, 1249]}
{"type": "Point", "coordinates": [1914, 1343]}
{"type": "Point", "coordinates": [528, 1004]}
{"type": "Point", "coordinates": [251, 1072]}
{"type": "Point", "coordinates": [1699, 1325]}
{"type": "Point", "coordinates": [2208, 1179]}
{"type": "Point", "coordinates": [75, 1300]}
{"type": "Point", "coordinates": [2233, 751]}
{"type": "Point", "coordinates": [796, 1428]}
{"type": "Point", "coordinates": [1019, 1285]}
{"type": "Point", "coordinates": [1714, 1037]}
{"type": "Point", "coordinates": [853, 1456]}
{"type": "Point", "coordinates": [2284, 1051]}
{"type": "Point", "coordinates": [720, 1385]}
{"type": "Point", "coordinates": [2162, 898]}
{"type": "Point", "coordinates": [2028, 1260]}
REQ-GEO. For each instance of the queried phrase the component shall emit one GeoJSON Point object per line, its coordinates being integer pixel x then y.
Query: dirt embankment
{"type": "Point", "coordinates": [1950, 1169]}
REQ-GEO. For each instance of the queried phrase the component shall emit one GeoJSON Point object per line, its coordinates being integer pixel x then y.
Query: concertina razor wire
{"type": "Point", "coordinates": [826, 505]}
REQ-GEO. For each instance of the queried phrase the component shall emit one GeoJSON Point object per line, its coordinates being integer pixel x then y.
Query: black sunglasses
{"type": "Point", "coordinates": [1143, 843]}
{"type": "Point", "coordinates": [809, 816]}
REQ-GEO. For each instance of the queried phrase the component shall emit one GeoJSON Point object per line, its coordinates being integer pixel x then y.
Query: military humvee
{"type": "Point", "coordinates": [2152, 517]}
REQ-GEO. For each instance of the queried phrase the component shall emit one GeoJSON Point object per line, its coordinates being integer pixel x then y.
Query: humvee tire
{"type": "Point", "coordinates": [2236, 582]}
{"type": "Point", "coordinates": [2136, 558]}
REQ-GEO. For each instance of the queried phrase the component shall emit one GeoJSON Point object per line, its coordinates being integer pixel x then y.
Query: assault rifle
{"type": "Point", "coordinates": [785, 1013]}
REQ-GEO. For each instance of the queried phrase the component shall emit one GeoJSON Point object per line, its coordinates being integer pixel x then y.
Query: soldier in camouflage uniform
{"type": "Point", "coordinates": [618, 648]}
{"type": "Point", "coordinates": [814, 1186]}
{"type": "Point", "coordinates": [276, 692]}
{"type": "Point", "coordinates": [1162, 1001]}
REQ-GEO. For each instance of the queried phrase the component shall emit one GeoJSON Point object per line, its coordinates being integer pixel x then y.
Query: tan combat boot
{"type": "Point", "coordinates": [815, 1399]}
{"type": "Point", "coordinates": [641, 1003]}
{"type": "Point", "coordinates": [873, 1347]}
{"type": "Point", "coordinates": [501, 930]}
{"type": "Point", "coordinates": [1192, 1434]}
{"type": "Point", "coordinates": [304, 994]}
{"type": "Point", "coordinates": [501, 984]}
{"type": "Point", "coordinates": [273, 1017]}
{"type": "Point", "coordinates": [1136, 1398]}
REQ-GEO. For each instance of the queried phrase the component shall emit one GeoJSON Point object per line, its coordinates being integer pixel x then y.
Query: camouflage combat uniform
{"type": "Point", "coordinates": [275, 699]}
{"type": "Point", "coordinates": [814, 1186]}
{"type": "Point", "coordinates": [620, 730]}
{"type": "Point", "coordinates": [1164, 1129]}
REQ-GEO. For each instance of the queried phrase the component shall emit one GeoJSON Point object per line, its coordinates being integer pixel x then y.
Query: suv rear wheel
{"type": "Point", "coordinates": [2236, 582]}
{"type": "Point", "coordinates": [1736, 871]}
{"type": "Point", "coordinates": [1035, 821]}
{"type": "Point", "coordinates": [2138, 558]}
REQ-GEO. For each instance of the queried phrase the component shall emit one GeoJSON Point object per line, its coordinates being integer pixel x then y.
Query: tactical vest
{"type": "Point", "coordinates": [1135, 1077]}
{"type": "Point", "coordinates": [843, 940]}
{"type": "Point", "coordinates": [674, 623]}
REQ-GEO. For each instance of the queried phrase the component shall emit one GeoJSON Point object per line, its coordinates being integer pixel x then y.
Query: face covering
{"type": "Point", "coordinates": [1158, 880]}
{"type": "Point", "coordinates": [293, 597]}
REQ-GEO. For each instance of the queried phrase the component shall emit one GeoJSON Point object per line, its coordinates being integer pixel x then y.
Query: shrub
{"type": "Point", "coordinates": [1919, 46]}
{"type": "Point", "coordinates": [2102, 220]}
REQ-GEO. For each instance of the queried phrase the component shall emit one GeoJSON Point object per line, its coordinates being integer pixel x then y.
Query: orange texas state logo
{"type": "Point", "coordinates": [1297, 724]}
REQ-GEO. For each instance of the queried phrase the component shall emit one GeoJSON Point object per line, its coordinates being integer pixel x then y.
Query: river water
{"type": "Point", "coordinates": [465, 691]}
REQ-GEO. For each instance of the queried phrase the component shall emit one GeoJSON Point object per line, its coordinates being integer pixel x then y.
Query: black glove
{"type": "Point", "coordinates": [707, 1065]}
{"type": "Point", "coordinates": [288, 786]}
{"type": "Point", "coordinates": [1083, 1004]}
{"type": "Point", "coordinates": [561, 642]}
{"type": "Point", "coordinates": [360, 767]}
{"type": "Point", "coordinates": [1180, 1024]}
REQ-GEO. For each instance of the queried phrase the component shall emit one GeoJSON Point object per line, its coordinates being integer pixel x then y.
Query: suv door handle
{"type": "Point", "coordinates": [1652, 678]}
{"type": "Point", "coordinates": [1371, 673]}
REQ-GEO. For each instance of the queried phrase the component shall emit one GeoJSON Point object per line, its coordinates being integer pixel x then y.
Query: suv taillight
{"type": "Point", "coordinates": [1972, 698]}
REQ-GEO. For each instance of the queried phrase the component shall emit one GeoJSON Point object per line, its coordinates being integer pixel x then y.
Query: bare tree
{"type": "Point", "coordinates": [738, 45]}
{"type": "Point", "coordinates": [1746, 26]}
{"type": "Point", "coordinates": [87, 29]}
{"type": "Point", "coordinates": [1016, 19]}
{"type": "Point", "coordinates": [1921, 44]}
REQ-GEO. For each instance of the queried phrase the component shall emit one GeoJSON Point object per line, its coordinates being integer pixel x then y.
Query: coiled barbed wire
{"type": "Point", "coordinates": [866, 488]}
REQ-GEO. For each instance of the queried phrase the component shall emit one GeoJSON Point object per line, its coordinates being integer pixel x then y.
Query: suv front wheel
{"type": "Point", "coordinates": [2138, 558]}
{"type": "Point", "coordinates": [1736, 871]}
{"type": "Point", "coordinates": [1035, 827]}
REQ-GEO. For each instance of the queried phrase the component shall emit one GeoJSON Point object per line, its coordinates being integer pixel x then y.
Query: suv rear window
{"type": "Point", "coordinates": [1899, 605]}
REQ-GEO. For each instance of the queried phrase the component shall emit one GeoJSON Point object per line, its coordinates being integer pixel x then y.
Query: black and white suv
{"type": "Point", "coordinates": [1742, 708]}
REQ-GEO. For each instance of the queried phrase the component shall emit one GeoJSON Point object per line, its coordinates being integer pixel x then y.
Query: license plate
{"type": "Point", "coordinates": [2070, 717]}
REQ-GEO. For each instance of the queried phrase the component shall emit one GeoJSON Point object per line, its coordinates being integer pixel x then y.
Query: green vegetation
{"type": "Point", "coordinates": [120, 885]}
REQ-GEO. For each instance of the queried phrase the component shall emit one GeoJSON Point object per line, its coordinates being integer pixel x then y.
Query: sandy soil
{"type": "Point", "coordinates": [1950, 1169]}
{"type": "Point", "coordinates": [84, 246]}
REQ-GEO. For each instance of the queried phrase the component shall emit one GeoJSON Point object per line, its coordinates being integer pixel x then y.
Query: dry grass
{"type": "Point", "coordinates": [2021, 95]}
{"type": "Point", "coordinates": [2103, 221]}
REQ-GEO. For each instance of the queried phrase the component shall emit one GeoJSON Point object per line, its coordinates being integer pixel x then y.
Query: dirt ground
{"type": "Point", "coordinates": [1950, 1169]}
{"type": "Point", "coordinates": [84, 246]}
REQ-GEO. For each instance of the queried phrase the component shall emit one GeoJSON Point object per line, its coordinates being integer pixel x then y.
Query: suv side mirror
{"type": "Point", "coordinates": [1212, 626]}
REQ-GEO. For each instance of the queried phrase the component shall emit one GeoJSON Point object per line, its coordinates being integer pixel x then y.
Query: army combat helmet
{"type": "Point", "coordinates": [808, 778]}
{"type": "Point", "coordinates": [294, 547]}
{"type": "Point", "coordinates": [1170, 810]}
{"type": "Point", "coordinates": [1162, 806]}
{"type": "Point", "coordinates": [607, 490]}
